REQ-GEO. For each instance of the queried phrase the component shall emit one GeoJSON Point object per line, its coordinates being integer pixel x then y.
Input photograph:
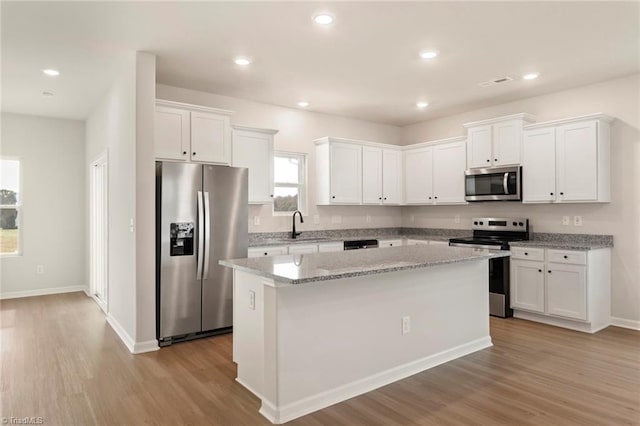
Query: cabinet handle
{"type": "Point", "coordinates": [379, 198]}
{"type": "Point", "coordinates": [526, 254]}
{"type": "Point", "coordinates": [488, 161]}
{"type": "Point", "coordinates": [539, 270]}
{"type": "Point", "coordinates": [265, 253]}
{"type": "Point", "coordinates": [385, 198]}
{"type": "Point", "coordinates": [566, 257]}
{"type": "Point", "coordinates": [194, 153]}
{"type": "Point", "coordinates": [551, 193]}
{"type": "Point", "coordinates": [435, 198]}
{"type": "Point", "coordinates": [184, 152]}
{"type": "Point", "coordinates": [333, 196]}
{"type": "Point", "coordinates": [562, 193]}
{"type": "Point", "coordinates": [429, 197]}
{"type": "Point", "coordinates": [495, 159]}
{"type": "Point", "coordinates": [549, 271]}
{"type": "Point", "coordinates": [271, 195]}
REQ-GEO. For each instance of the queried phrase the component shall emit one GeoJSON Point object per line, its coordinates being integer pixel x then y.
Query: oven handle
{"type": "Point", "coordinates": [476, 246]}
{"type": "Point", "coordinates": [505, 181]}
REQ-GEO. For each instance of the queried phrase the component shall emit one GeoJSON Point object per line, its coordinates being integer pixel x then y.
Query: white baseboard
{"type": "Point", "coordinates": [133, 346]}
{"type": "Point", "coordinates": [625, 323]}
{"type": "Point", "coordinates": [42, 292]}
{"type": "Point", "coordinates": [317, 402]}
{"type": "Point", "coordinates": [121, 332]}
{"type": "Point", "coordinates": [585, 327]}
{"type": "Point", "coordinates": [148, 346]}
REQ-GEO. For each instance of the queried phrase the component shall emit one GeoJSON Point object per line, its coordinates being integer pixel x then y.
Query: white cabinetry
{"type": "Point", "coordinates": [267, 251]}
{"type": "Point", "coordinates": [495, 142]}
{"type": "Point", "coordinates": [371, 175]}
{"type": "Point", "coordinates": [331, 247]}
{"type": "Point", "coordinates": [568, 289]}
{"type": "Point", "coordinates": [567, 161]}
{"type": "Point", "coordinates": [434, 173]}
{"type": "Point", "coordinates": [253, 149]}
{"type": "Point", "coordinates": [338, 172]}
{"type": "Point", "coordinates": [391, 176]}
{"type": "Point", "coordinates": [303, 248]}
{"type": "Point", "coordinates": [389, 243]}
{"type": "Point", "coordinates": [187, 132]}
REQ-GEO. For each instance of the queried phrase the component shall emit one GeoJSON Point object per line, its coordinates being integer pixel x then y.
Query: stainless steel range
{"type": "Point", "coordinates": [496, 234]}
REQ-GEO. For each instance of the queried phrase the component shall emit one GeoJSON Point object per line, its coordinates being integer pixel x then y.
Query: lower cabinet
{"type": "Point", "coordinates": [303, 248]}
{"type": "Point", "coordinates": [567, 288]}
{"type": "Point", "coordinates": [389, 243]}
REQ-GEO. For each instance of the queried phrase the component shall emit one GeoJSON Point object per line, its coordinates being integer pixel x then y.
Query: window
{"type": "Point", "coordinates": [289, 188]}
{"type": "Point", "coordinates": [10, 206]}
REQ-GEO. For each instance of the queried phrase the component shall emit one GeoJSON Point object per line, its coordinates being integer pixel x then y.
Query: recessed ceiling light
{"type": "Point", "coordinates": [47, 94]}
{"type": "Point", "coordinates": [242, 61]}
{"type": "Point", "coordinates": [422, 104]}
{"type": "Point", "coordinates": [428, 54]}
{"type": "Point", "coordinates": [303, 104]}
{"type": "Point", "coordinates": [51, 72]}
{"type": "Point", "coordinates": [323, 19]}
{"type": "Point", "coordinates": [531, 76]}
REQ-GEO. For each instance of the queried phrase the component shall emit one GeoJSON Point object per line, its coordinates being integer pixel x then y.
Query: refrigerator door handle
{"type": "Point", "coordinates": [207, 236]}
{"type": "Point", "coordinates": [200, 259]}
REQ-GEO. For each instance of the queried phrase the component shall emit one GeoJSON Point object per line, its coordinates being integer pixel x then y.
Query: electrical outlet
{"type": "Point", "coordinates": [368, 218]}
{"type": "Point", "coordinates": [577, 221]}
{"type": "Point", "coordinates": [316, 219]}
{"type": "Point", "coordinates": [566, 221]}
{"type": "Point", "coordinates": [40, 269]}
{"type": "Point", "coordinates": [412, 218]}
{"type": "Point", "coordinates": [336, 219]}
{"type": "Point", "coordinates": [132, 226]}
{"type": "Point", "coordinates": [256, 220]}
{"type": "Point", "coordinates": [406, 325]}
{"type": "Point", "coordinates": [252, 300]}
{"type": "Point", "coordinates": [456, 218]}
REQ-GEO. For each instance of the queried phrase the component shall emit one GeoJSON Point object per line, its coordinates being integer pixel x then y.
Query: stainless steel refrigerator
{"type": "Point", "coordinates": [201, 217]}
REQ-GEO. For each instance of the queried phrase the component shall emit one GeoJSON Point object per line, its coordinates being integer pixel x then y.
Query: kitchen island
{"type": "Point", "coordinates": [313, 330]}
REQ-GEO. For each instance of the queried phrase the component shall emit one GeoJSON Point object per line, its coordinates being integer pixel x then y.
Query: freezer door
{"type": "Point", "coordinates": [179, 304]}
{"type": "Point", "coordinates": [226, 204]}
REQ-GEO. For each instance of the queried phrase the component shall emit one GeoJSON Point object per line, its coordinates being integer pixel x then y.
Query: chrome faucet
{"type": "Point", "coordinates": [294, 234]}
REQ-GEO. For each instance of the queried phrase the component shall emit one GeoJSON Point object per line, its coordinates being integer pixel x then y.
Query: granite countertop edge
{"type": "Point", "coordinates": [269, 242]}
{"type": "Point", "coordinates": [277, 278]}
{"type": "Point", "coordinates": [562, 245]}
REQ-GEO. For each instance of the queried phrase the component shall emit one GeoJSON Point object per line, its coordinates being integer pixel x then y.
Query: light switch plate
{"type": "Point", "coordinates": [256, 220]}
{"type": "Point", "coordinates": [368, 218]}
{"type": "Point", "coordinates": [456, 218]}
{"type": "Point", "coordinates": [412, 218]}
{"type": "Point", "coordinates": [577, 221]}
{"type": "Point", "coordinates": [566, 221]}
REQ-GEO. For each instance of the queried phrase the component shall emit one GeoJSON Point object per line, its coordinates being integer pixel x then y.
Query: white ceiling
{"type": "Point", "coordinates": [366, 65]}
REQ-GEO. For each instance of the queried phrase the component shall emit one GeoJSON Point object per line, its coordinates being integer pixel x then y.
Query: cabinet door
{"type": "Point", "coordinates": [479, 146]}
{"type": "Point", "coordinates": [539, 165]}
{"type": "Point", "coordinates": [448, 173]}
{"type": "Point", "coordinates": [171, 133]}
{"type": "Point", "coordinates": [507, 138]}
{"type": "Point", "coordinates": [371, 175]}
{"type": "Point", "coordinates": [254, 150]}
{"type": "Point", "coordinates": [303, 249]}
{"type": "Point", "coordinates": [346, 173]}
{"type": "Point", "coordinates": [210, 138]}
{"type": "Point", "coordinates": [391, 176]}
{"type": "Point", "coordinates": [567, 291]}
{"type": "Point", "coordinates": [577, 162]}
{"type": "Point", "coordinates": [527, 285]}
{"type": "Point", "coordinates": [418, 176]}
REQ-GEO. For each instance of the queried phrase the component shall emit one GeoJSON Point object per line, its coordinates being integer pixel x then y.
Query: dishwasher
{"type": "Point", "coordinates": [360, 244]}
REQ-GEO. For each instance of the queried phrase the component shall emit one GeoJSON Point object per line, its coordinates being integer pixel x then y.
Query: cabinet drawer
{"type": "Point", "coordinates": [303, 248]}
{"type": "Point", "coordinates": [417, 242]}
{"type": "Point", "coordinates": [330, 247]}
{"type": "Point", "coordinates": [567, 256]}
{"type": "Point", "coordinates": [527, 253]}
{"type": "Point", "coordinates": [389, 243]}
{"type": "Point", "coordinates": [267, 251]}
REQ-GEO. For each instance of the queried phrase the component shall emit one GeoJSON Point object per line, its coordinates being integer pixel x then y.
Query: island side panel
{"type": "Point", "coordinates": [337, 339]}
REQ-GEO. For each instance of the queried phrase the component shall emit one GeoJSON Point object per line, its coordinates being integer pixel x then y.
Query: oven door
{"type": "Point", "coordinates": [496, 184]}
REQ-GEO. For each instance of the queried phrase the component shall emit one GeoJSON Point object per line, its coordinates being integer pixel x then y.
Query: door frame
{"type": "Point", "coordinates": [99, 235]}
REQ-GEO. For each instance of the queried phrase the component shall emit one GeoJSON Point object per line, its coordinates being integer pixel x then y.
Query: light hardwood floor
{"type": "Point", "coordinates": [60, 360]}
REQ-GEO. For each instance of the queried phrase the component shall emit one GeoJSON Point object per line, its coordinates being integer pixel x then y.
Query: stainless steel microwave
{"type": "Point", "coordinates": [493, 184]}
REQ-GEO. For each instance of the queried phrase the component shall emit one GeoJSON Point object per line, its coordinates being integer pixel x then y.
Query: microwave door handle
{"type": "Point", "coordinates": [505, 184]}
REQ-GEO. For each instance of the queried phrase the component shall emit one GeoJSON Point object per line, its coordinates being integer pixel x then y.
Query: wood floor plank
{"type": "Point", "coordinates": [59, 359]}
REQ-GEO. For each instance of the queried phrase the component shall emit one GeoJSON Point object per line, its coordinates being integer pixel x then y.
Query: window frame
{"type": "Point", "coordinates": [301, 185]}
{"type": "Point", "coordinates": [18, 206]}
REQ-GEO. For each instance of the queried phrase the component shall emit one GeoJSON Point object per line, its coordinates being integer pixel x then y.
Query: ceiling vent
{"type": "Point", "coordinates": [495, 81]}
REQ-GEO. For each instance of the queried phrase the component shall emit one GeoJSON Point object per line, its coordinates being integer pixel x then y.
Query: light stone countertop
{"type": "Point", "coordinates": [305, 268]}
{"type": "Point", "coordinates": [267, 242]}
{"type": "Point", "coordinates": [562, 245]}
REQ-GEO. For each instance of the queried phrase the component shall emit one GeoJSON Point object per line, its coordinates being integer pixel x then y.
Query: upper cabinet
{"type": "Point", "coordinates": [253, 149]}
{"type": "Point", "coordinates": [496, 142]}
{"type": "Point", "coordinates": [434, 172]}
{"type": "Point", "coordinates": [185, 132]}
{"type": "Point", "coordinates": [567, 160]}
{"type": "Point", "coordinates": [381, 175]}
{"type": "Point", "coordinates": [338, 172]}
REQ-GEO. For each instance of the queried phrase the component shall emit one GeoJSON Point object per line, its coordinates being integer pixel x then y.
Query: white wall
{"type": "Point", "coordinates": [53, 219]}
{"type": "Point", "coordinates": [112, 126]}
{"type": "Point", "coordinates": [297, 130]}
{"type": "Point", "coordinates": [619, 98]}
